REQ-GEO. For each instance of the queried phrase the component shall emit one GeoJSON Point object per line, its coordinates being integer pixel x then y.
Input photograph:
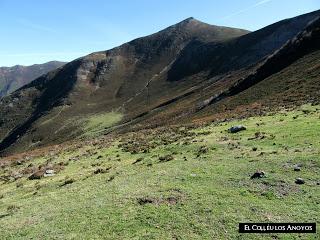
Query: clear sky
{"type": "Point", "coordinates": [37, 31]}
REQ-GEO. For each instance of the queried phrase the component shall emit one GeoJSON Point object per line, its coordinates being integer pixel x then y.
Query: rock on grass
{"type": "Point", "coordinates": [258, 174]}
{"type": "Point", "coordinates": [236, 129]}
{"type": "Point", "coordinates": [299, 181]}
{"type": "Point", "coordinates": [166, 158]}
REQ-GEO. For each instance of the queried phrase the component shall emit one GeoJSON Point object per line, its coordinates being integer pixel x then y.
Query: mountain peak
{"type": "Point", "coordinates": [189, 20]}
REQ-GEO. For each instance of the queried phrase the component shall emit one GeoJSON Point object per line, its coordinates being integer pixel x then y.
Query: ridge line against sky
{"type": "Point", "coordinates": [38, 31]}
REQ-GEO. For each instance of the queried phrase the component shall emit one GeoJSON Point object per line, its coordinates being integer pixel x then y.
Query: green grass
{"type": "Point", "coordinates": [95, 124]}
{"type": "Point", "coordinates": [213, 191]}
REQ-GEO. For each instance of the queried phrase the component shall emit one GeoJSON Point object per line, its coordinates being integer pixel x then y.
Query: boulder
{"type": "Point", "coordinates": [297, 169]}
{"type": "Point", "coordinates": [299, 181]}
{"type": "Point", "coordinates": [49, 173]}
{"type": "Point", "coordinates": [236, 129]}
{"type": "Point", "coordinates": [258, 174]}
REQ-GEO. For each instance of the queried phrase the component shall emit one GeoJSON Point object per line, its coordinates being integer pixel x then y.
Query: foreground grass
{"type": "Point", "coordinates": [202, 191]}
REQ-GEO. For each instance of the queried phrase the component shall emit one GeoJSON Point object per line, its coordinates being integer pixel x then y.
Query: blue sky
{"type": "Point", "coordinates": [37, 31]}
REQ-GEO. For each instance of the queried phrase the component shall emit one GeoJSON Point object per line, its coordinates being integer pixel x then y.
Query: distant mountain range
{"type": "Point", "coordinates": [12, 78]}
{"type": "Point", "coordinates": [189, 72]}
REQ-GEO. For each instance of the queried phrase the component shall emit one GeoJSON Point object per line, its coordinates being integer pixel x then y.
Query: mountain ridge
{"type": "Point", "coordinates": [145, 79]}
{"type": "Point", "coordinates": [12, 78]}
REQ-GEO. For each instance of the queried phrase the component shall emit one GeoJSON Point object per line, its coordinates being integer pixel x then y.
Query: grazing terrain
{"type": "Point", "coordinates": [12, 78]}
{"type": "Point", "coordinates": [181, 134]}
{"type": "Point", "coordinates": [182, 182]}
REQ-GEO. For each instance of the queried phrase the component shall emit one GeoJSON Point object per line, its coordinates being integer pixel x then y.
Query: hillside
{"type": "Point", "coordinates": [182, 134]}
{"type": "Point", "coordinates": [168, 183]}
{"type": "Point", "coordinates": [97, 84]}
{"type": "Point", "coordinates": [170, 77]}
{"type": "Point", "coordinates": [12, 78]}
{"type": "Point", "coordinates": [287, 78]}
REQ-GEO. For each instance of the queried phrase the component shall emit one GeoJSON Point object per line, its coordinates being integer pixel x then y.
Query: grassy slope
{"type": "Point", "coordinates": [192, 197]}
{"type": "Point", "coordinates": [294, 85]}
{"type": "Point", "coordinates": [95, 124]}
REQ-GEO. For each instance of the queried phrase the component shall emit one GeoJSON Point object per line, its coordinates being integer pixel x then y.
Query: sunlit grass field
{"type": "Point", "coordinates": [174, 183]}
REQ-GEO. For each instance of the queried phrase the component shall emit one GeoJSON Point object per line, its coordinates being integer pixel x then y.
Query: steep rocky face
{"type": "Point", "coordinates": [12, 78]}
{"type": "Point", "coordinates": [286, 78]}
{"type": "Point", "coordinates": [134, 64]}
{"type": "Point", "coordinates": [241, 52]}
{"type": "Point", "coordinates": [304, 43]}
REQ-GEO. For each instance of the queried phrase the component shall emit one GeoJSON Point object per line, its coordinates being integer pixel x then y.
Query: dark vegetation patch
{"type": "Point", "coordinates": [111, 178]}
{"type": "Point", "coordinates": [138, 160]}
{"type": "Point", "coordinates": [261, 135]}
{"type": "Point", "coordinates": [233, 145]}
{"type": "Point", "coordinates": [172, 200]}
{"type": "Point", "coordinates": [169, 196]}
{"type": "Point", "coordinates": [145, 140]}
{"type": "Point", "coordinates": [12, 209]}
{"type": "Point", "coordinates": [4, 215]}
{"type": "Point", "coordinates": [203, 150]}
{"type": "Point", "coordinates": [279, 188]}
{"type": "Point", "coordinates": [101, 170]}
{"type": "Point", "coordinates": [166, 158]}
{"type": "Point", "coordinates": [67, 182]}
